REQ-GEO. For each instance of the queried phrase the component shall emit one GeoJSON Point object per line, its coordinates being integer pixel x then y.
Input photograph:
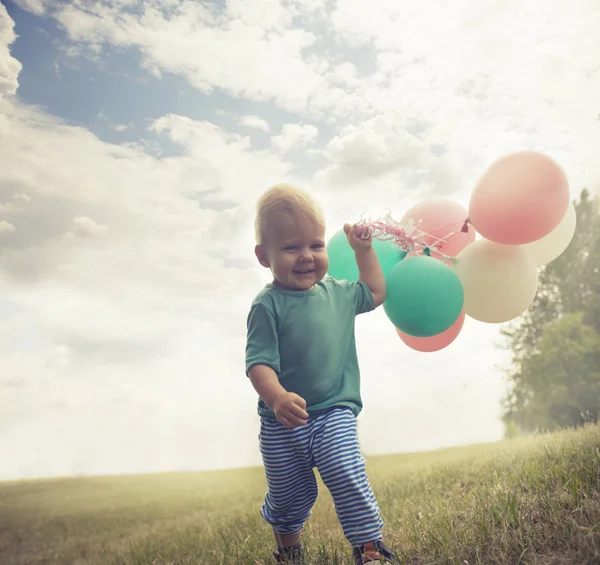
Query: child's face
{"type": "Point", "coordinates": [294, 249]}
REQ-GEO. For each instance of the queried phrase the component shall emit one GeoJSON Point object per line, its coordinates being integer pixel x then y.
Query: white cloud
{"type": "Point", "coordinates": [132, 198]}
{"type": "Point", "coordinates": [9, 66]}
{"type": "Point", "coordinates": [36, 7]}
{"type": "Point", "coordinates": [85, 227]}
{"type": "Point", "coordinates": [305, 7]}
{"type": "Point", "coordinates": [6, 227]}
{"type": "Point", "coordinates": [261, 57]}
{"type": "Point", "coordinates": [488, 79]}
{"type": "Point", "coordinates": [253, 61]}
{"type": "Point", "coordinates": [381, 167]}
{"type": "Point", "coordinates": [206, 170]}
{"type": "Point", "coordinates": [453, 62]}
{"type": "Point", "coordinates": [376, 146]}
{"type": "Point", "coordinates": [149, 303]}
{"type": "Point", "coordinates": [294, 135]}
{"type": "Point", "coordinates": [14, 204]}
{"type": "Point", "coordinates": [121, 335]}
{"type": "Point", "coordinates": [255, 122]}
{"type": "Point", "coordinates": [104, 118]}
{"type": "Point", "coordinates": [267, 14]}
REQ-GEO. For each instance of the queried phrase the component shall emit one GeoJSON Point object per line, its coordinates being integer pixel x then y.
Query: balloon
{"type": "Point", "coordinates": [552, 245]}
{"type": "Point", "coordinates": [435, 342]}
{"type": "Point", "coordinates": [499, 281]}
{"type": "Point", "coordinates": [519, 199]}
{"type": "Point", "coordinates": [424, 296]}
{"type": "Point", "coordinates": [440, 217]}
{"type": "Point", "coordinates": [342, 260]}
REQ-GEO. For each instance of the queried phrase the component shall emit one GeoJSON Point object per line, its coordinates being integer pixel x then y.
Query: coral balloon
{"type": "Point", "coordinates": [519, 199]}
{"type": "Point", "coordinates": [435, 342]}
{"type": "Point", "coordinates": [424, 296]}
{"type": "Point", "coordinates": [552, 245]}
{"type": "Point", "coordinates": [499, 281]}
{"type": "Point", "coordinates": [442, 220]}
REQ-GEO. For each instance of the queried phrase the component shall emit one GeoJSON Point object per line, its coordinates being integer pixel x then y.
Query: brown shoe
{"type": "Point", "coordinates": [372, 552]}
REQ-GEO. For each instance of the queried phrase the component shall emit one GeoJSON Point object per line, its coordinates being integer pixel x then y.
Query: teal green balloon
{"type": "Point", "coordinates": [342, 261]}
{"type": "Point", "coordinates": [424, 296]}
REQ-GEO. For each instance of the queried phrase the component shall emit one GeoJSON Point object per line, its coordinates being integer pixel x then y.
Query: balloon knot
{"type": "Point", "coordinates": [465, 228]}
{"type": "Point", "coordinates": [427, 251]}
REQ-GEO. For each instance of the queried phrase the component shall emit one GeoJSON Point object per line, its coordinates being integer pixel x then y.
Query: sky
{"type": "Point", "coordinates": [135, 138]}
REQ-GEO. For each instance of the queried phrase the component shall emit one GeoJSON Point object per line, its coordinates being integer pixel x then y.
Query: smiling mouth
{"type": "Point", "coordinates": [308, 272]}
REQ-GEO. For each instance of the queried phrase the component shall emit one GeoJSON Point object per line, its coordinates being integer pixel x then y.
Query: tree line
{"type": "Point", "coordinates": [553, 379]}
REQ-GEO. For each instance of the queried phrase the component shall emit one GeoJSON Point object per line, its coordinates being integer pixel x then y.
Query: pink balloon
{"type": "Point", "coordinates": [439, 218]}
{"type": "Point", "coordinates": [435, 342]}
{"type": "Point", "coordinates": [519, 199]}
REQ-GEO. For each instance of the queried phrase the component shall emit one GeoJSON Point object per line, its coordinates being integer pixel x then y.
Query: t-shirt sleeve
{"type": "Point", "coordinates": [363, 299]}
{"type": "Point", "coordinates": [261, 341]}
{"type": "Point", "coordinates": [359, 294]}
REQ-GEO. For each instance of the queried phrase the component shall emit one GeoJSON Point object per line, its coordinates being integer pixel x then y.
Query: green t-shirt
{"type": "Point", "coordinates": [307, 338]}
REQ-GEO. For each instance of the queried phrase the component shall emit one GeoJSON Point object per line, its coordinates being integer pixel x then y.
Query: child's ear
{"type": "Point", "coordinates": [261, 256]}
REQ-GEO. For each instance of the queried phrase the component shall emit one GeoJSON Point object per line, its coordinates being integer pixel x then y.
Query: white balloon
{"type": "Point", "coordinates": [499, 281]}
{"type": "Point", "coordinates": [552, 245]}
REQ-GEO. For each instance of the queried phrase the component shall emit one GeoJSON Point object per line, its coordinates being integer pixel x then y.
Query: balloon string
{"type": "Point", "coordinates": [409, 237]}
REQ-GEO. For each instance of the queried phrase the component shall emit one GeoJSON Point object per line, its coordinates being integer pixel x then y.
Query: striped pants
{"type": "Point", "coordinates": [328, 442]}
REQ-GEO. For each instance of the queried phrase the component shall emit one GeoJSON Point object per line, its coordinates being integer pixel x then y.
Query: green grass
{"type": "Point", "coordinates": [529, 500]}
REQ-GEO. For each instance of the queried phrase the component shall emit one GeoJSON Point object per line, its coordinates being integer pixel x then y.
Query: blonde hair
{"type": "Point", "coordinates": [285, 198]}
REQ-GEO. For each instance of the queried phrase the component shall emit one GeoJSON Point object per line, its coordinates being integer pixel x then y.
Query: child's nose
{"type": "Point", "coordinates": [306, 254]}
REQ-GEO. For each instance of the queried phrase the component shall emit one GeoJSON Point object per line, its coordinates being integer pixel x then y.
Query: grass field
{"type": "Point", "coordinates": [529, 500]}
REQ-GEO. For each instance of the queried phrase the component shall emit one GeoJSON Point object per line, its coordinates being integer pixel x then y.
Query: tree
{"type": "Point", "coordinates": [543, 390]}
{"type": "Point", "coordinates": [563, 376]}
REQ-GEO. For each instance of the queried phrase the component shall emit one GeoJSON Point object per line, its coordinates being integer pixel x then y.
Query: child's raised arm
{"type": "Point", "coordinates": [368, 264]}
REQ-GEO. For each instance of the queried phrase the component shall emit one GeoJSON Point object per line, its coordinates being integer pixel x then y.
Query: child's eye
{"type": "Point", "coordinates": [290, 248]}
{"type": "Point", "coordinates": [318, 246]}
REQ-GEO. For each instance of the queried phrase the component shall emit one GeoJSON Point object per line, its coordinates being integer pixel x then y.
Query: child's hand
{"type": "Point", "coordinates": [359, 237]}
{"type": "Point", "coordinates": [290, 410]}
